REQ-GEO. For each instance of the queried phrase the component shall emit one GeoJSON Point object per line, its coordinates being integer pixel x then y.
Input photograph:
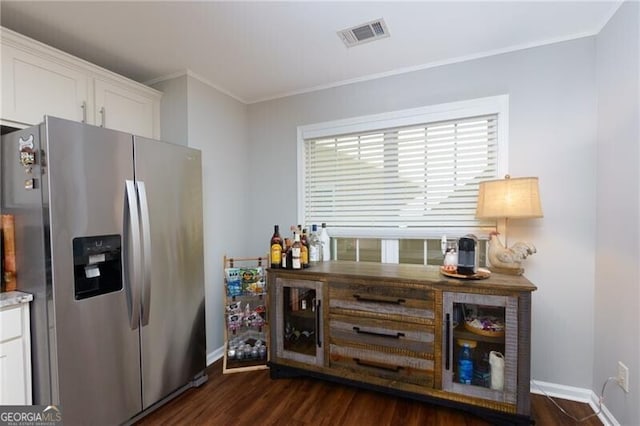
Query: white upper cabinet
{"type": "Point", "coordinates": [38, 80]}
{"type": "Point", "coordinates": [119, 107]}
{"type": "Point", "coordinates": [33, 86]}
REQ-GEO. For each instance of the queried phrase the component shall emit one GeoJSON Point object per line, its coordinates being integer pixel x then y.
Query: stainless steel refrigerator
{"type": "Point", "coordinates": [109, 241]}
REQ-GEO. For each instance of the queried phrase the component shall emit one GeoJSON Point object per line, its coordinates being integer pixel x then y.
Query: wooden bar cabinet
{"type": "Point", "coordinates": [399, 329]}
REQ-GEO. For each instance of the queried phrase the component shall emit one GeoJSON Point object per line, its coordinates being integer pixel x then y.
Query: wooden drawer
{"type": "Point", "coordinates": [381, 365]}
{"type": "Point", "coordinates": [405, 303]}
{"type": "Point", "coordinates": [401, 337]}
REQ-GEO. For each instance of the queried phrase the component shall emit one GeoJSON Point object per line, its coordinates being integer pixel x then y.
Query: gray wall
{"type": "Point", "coordinates": [174, 110]}
{"type": "Point", "coordinates": [617, 291]}
{"type": "Point", "coordinates": [217, 125]}
{"type": "Point", "coordinates": [553, 115]}
{"type": "Point", "coordinates": [573, 110]}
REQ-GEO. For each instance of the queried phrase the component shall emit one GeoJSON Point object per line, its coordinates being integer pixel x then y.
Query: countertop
{"type": "Point", "coordinates": [10, 298]}
{"type": "Point", "coordinates": [418, 274]}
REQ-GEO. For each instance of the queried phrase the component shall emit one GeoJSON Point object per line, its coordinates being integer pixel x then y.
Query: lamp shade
{"type": "Point", "coordinates": [509, 198]}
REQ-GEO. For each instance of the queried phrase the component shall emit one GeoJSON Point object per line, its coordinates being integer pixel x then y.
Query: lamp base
{"type": "Point", "coordinates": [507, 271]}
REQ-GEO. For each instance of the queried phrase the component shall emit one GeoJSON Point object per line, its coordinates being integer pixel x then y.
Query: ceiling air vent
{"type": "Point", "coordinates": [370, 31]}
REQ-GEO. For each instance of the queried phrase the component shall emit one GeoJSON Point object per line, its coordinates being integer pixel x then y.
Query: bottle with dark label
{"type": "Point", "coordinates": [304, 254]}
{"type": "Point", "coordinates": [276, 248]}
{"type": "Point", "coordinates": [296, 249]}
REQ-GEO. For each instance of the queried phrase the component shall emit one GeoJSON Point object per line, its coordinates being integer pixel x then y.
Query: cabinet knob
{"type": "Point", "coordinates": [103, 115]}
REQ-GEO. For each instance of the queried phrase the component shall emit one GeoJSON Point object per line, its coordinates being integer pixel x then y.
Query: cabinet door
{"type": "Point", "coordinates": [125, 109]}
{"type": "Point", "coordinates": [488, 326]}
{"type": "Point", "coordinates": [298, 321]}
{"type": "Point", "coordinates": [13, 389]}
{"type": "Point", "coordinates": [15, 356]}
{"type": "Point", "coordinates": [33, 87]}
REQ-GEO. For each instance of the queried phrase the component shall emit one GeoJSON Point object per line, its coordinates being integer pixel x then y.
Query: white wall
{"type": "Point", "coordinates": [216, 124]}
{"type": "Point", "coordinates": [552, 125]}
{"type": "Point", "coordinates": [617, 282]}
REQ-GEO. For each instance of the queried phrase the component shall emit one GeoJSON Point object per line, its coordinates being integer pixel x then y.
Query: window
{"type": "Point", "coordinates": [411, 251]}
{"type": "Point", "coordinates": [409, 174]}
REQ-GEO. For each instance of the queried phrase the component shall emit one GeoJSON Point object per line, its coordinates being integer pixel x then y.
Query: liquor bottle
{"type": "Point", "coordinates": [296, 248]}
{"type": "Point", "coordinates": [286, 254]}
{"type": "Point", "coordinates": [326, 243]}
{"type": "Point", "coordinates": [304, 254]}
{"type": "Point", "coordinates": [290, 254]}
{"type": "Point", "coordinates": [315, 247]}
{"type": "Point", "coordinates": [290, 242]}
{"type": "Point", "coordinates": [276, 248]}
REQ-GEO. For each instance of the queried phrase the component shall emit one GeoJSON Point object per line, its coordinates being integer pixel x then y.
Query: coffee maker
{"type": "Point", "coordinates": [468, 256]}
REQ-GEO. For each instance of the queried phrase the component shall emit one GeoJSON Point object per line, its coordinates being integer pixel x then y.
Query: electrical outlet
{"type": "Point", "coordinates": [623, 376]}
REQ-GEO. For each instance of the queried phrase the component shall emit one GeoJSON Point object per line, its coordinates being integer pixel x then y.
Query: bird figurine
{"type": "Point", "coordinates": [508, 260]}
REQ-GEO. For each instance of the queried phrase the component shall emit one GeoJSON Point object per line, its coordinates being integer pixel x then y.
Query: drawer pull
{"type": "Point", "coordinates": [376, 300]}
{"type": "Point", "coordinates": [361, 363]}
{"type": "Point", "coordinates": [447, 357]}
{"type": "Point", "coordinates": [373, 333]}
{"type": "Point", "coordinates": [318, 323]}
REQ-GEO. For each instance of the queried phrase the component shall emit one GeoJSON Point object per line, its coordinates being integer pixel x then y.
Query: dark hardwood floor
{"type": "Point", "coordinates": [253, 399]}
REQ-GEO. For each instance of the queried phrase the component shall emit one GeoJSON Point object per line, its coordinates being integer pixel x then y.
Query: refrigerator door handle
{"type": "Point", "coordinates": [146, 245]}
{"type": "Point", "coordinates": [132, 235]}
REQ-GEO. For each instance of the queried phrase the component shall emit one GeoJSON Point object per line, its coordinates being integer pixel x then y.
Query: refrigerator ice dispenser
{"type": "Point", "coordinates": [97, 265]}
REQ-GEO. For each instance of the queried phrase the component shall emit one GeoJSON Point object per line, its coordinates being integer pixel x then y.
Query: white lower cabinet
{"type": "Point", "coordinates": [15, 350]}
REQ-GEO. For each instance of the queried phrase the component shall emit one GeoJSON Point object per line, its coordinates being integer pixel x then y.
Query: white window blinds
{"type": "Point", "coordinates": [407, 177]}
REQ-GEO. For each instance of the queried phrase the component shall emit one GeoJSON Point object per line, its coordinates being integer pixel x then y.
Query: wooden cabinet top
{"type": "Point", "coordinates": [388, 273]}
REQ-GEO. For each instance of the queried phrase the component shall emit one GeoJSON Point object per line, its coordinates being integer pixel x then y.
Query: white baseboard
{"type": "Point", "coordinates": [605, 415]}
{"type": "Point", "coordinates": [215, 355]}
{"type": "Point", "coordinates": [574, 394]}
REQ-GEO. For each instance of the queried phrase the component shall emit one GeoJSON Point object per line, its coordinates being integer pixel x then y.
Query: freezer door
{"type": "Point", "coordinates": [173, 327]}
{"type": "Point", "coordinates": [98, 353]}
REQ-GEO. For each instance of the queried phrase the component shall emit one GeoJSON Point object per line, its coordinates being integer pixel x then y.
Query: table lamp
{"type": "Point", "coordinates": [505, 199]}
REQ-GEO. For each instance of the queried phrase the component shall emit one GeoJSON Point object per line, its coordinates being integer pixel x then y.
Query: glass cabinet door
{"type": "Point", "coordinates": [480, 353]}
{"type": "Point", "coordinates": [299, 320]}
